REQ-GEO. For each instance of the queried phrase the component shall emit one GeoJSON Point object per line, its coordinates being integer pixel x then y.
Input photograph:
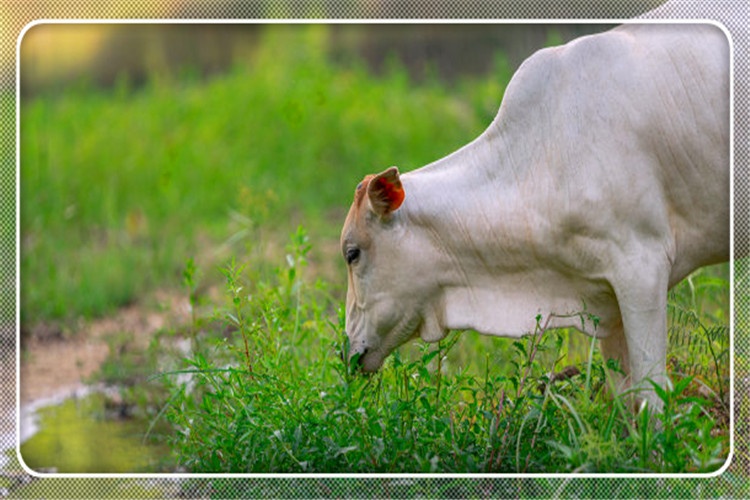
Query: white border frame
{"type": "Point", "coordinates": [344, 475]}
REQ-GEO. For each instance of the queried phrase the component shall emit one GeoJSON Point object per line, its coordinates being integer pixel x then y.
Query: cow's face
{"type": "Point", "coordinates": [389, 279]}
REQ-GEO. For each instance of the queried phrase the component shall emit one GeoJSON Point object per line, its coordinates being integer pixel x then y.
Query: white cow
{"type": "Point", "coordinates": [601, 183]}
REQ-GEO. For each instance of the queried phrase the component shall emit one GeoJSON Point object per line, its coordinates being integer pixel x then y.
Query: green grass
{"type": "Point", "coordinates": [184, 185]}
{"type": "Point", "coordinates": [272, 394]}
{"type": "Point", "coordinates": [120, 187]}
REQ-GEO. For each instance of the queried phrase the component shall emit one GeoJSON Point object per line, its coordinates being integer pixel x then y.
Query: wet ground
{"type": "Point", "coordinates": [54, 362]}
{"type": "Point", "coordinates": [58, 405]}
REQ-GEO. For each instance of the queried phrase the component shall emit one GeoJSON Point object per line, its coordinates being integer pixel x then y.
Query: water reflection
{"type": "Point", "coordinates": [82, 435]}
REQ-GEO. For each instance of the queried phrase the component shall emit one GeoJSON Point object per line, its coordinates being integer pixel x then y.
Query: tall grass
{"type": "Point", "coordinates": [275, 393]}
{"type": "Point", "coordinates": [120, 187]}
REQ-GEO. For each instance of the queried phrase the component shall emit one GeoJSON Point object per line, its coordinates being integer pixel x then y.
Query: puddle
{"type": "Point", "coordinates": [79, 434]}
{"type": "Point", "coordinates": [66, 426]}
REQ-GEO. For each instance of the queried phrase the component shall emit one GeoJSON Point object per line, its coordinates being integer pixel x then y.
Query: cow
{"type": "Point", "coordinates": [603, 181]}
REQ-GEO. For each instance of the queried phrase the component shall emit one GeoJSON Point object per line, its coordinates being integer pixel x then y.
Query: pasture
{"type": "Point", "coordinates": [230, 193]}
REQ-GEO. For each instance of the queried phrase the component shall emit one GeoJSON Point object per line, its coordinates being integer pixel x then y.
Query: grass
{"type": "Point", "coordinates": [244, 181]}
{"type": "Point", "coordinates": [113, 181]}
{"type": "Point", "coordinates": [274, 394]}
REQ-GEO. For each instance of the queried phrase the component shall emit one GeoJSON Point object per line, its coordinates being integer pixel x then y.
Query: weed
{"type": "Point", "coordinates": [283, 397]}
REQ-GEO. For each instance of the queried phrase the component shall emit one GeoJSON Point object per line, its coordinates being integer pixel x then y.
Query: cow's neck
{"type": "Point", "coordinates": [479, 209]}
{"type": "Point", "coordinates": [478, 203]}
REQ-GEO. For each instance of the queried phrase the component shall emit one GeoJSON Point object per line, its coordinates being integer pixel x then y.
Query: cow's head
{"type": "Point", "coordinates": [391, 287]}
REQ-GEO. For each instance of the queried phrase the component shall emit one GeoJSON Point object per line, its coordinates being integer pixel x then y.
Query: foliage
{"type": "Point", "coordinates": [278, 395]}
{"type": "Point", "coordinates": [124, 180]}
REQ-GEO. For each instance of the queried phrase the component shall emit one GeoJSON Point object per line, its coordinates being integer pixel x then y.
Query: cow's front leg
{"type": "Point", "coordinates": [642, 298]}
{"type": "Point", "coordinates": [614, 346]}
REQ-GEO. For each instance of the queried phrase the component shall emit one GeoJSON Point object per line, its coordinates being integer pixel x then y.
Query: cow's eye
{"type": "Point", "coordinates": [352, 254]}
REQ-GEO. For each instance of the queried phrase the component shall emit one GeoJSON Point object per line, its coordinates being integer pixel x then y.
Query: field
{"type": "Point", "coordinates": [231, 192]}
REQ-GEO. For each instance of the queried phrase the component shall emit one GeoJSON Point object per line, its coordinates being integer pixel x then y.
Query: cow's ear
{"type": "Point", "coordinates": [385, 192]}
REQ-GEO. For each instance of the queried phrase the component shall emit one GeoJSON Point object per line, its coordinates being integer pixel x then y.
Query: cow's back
{"type": "Point", "coordinates": [633, 124]}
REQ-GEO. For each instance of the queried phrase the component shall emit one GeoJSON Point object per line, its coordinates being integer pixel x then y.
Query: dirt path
{"type": "Point", "coordinates": [53, 363]}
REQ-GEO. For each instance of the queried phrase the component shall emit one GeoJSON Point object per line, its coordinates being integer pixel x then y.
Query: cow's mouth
{"type": "Point", "coordinates": [370, 360]}
{"type": "Point", "coordinates": [367, 361]}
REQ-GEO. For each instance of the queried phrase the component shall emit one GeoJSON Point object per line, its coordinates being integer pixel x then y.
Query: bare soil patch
{"type": "Point", "coordinates": [54, 361]}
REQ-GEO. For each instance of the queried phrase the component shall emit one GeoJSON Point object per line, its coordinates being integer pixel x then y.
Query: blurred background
{"type": "Point", "coordinates": [55, 56]}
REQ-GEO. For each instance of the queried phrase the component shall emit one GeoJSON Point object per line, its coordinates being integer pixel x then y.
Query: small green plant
{"type": "Point", "coordinates": [189, 279]}
{"type": "Point", "coordinates": [685, 436]}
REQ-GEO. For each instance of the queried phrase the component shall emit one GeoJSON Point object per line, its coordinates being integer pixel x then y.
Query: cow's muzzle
{"type": "Point", "coordinates": [360, 361]}
{"type": "Point", "coordinates": [356, 357]}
